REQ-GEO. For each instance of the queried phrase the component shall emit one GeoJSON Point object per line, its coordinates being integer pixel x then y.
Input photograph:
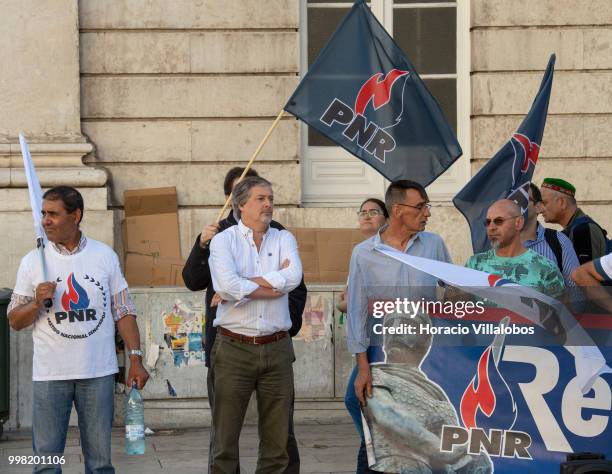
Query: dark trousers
{"type": "Point", "coordinates": [292, 445]}
{"type": "Point", "coordinates": [238, 369]}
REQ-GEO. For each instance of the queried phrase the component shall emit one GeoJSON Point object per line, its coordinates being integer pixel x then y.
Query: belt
{"type": "Point", "coordinates": [277, 336]}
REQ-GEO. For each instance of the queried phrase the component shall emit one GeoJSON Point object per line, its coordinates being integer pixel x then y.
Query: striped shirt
{"type": "Point", "coordinates": [62, 250]}
{"type": "Point", "coordinates": [121, 303]}
{"type": "Point", "coordinates": [569, 261]}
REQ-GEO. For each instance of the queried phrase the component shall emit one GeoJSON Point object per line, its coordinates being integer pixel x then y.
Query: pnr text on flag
{"type": "Point", "coordinates": [363, 93]}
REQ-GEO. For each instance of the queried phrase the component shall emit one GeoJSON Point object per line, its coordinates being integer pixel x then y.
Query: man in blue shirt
{"type": "Point", "coordinates": [375, 276]}
{"type": "Point", "coordinates": [549, 243]}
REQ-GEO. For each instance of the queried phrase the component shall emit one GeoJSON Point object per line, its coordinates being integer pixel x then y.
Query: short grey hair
{"type": "Point", "coordinates": [242, 191]}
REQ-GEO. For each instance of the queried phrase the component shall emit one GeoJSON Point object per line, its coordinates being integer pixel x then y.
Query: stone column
{"type": "Point", "coordinates": [40, 97]}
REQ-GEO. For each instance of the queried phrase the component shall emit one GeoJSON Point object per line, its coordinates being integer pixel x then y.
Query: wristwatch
{"type": "Point", "coordinates": [135, 352]}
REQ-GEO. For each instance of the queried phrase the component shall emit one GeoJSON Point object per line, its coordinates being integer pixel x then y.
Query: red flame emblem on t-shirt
{"type": "Point", "coordinates": [75, 297]}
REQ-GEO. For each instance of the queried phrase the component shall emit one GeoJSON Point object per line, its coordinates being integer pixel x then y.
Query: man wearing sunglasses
{"type": "Point", "coordinates": [507, 256]}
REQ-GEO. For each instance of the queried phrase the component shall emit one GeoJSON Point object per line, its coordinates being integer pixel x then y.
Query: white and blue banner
{"type": "Point", "coordinates": [492, 405]}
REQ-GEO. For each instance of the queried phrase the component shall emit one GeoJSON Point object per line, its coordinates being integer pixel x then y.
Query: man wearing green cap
{"type": "Point", "coordinates": [559, 207]}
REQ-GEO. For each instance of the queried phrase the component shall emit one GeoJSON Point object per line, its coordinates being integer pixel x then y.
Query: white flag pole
{"type": "Point", "coordinates": [35, 192]}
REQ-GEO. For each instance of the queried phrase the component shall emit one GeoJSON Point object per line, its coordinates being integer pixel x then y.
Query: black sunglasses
{"type": "Point", "coordinates": [498, 220]}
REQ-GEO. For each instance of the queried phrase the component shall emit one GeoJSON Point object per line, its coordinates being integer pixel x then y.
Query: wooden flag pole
{"type": "Point", "coordinates": [250, 163]}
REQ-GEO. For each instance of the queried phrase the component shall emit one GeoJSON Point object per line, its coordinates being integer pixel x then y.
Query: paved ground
{"type": "Point", "coordinates": [323, 449]}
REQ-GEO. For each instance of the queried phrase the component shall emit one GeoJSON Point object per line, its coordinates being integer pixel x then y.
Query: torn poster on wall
{"type": "Point", "coordinates": [315, 318]}
{"type": "Point", "coordinates": [183, 326]}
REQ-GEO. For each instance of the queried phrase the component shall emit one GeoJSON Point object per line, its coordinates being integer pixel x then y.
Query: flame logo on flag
{"type": "Point", "coordinates": [376, 90]}
{"type": "Point", "coordinates": [525, 147]}
{"type": "Point", "coordinates": [489, 394]}
{"type": "Point", "coordinates": [75, 297]}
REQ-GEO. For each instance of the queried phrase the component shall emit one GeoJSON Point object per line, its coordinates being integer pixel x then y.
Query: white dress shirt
{"type": "Point", "coordinates": [234, 259]}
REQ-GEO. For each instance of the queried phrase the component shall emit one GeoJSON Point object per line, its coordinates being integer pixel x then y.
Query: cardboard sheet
{"type": "Point", "coordinates": [326, 253]}
{"type": "Point", "coordinates": [151, 237]}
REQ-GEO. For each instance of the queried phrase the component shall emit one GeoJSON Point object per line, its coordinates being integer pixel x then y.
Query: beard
{"type": "Point", "coordinates": [495, 244]}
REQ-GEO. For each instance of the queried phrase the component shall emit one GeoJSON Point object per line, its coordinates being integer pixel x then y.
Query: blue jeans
{"type": "Point", "coordinates": [94, 403]}
{"type": "Point", "coordinates": [352, 402]}
{"type": "Point", "coordinates": [375, 354]}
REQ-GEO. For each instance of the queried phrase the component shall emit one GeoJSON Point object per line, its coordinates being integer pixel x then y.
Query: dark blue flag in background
{"type": "Point", "coordinates": [509, 172]}
{"type": "Point", "coordinates": [363, 93]}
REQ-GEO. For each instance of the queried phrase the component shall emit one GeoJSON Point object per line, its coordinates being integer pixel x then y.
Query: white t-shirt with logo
{"type": "Point", "coordinates": [75, 338]}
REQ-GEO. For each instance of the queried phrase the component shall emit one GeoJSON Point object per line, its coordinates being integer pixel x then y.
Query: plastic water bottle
{"type": "Point", "coordinates": [134, 423]}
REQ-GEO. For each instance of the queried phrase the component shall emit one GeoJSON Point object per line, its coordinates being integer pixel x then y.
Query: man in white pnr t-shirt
{"type": "Point", "coordinates": [74, 340]}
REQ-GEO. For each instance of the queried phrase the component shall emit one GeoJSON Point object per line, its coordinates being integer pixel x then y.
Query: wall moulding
{"type": "Point", "coordinates": [49, 177]}
{"type": "Point", "coordinates": [46, 155]}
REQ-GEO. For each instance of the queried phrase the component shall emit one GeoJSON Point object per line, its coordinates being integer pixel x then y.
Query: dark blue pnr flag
{"type": "Point", "coordinates": [509, 172]}
{"type": "Point", "coordinates": [363, 93]}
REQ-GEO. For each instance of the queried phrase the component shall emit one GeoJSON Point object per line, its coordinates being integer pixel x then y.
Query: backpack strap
{"type": "Point", "coordinates": [579, 223]}
{"type": "Point", "coordinates": [582, 220]}
{"type": "Point", "coordinates": [553, 241]}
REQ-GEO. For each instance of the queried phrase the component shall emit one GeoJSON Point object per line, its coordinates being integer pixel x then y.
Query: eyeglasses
{"type": "Point", "coordinates": [420, 207]}
{"type": "Point", "coordinates": [370, 213]}
{"type": "Point", "coordinates": [498, 220]}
